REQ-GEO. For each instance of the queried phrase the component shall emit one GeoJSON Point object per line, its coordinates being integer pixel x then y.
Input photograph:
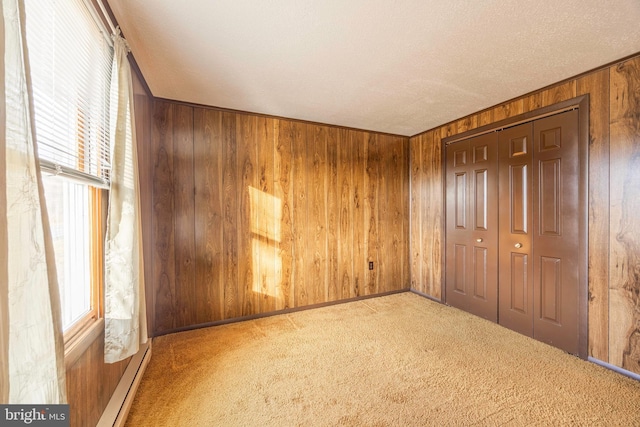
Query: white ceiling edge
{"type": "Point", "coordinates": [394, 67]}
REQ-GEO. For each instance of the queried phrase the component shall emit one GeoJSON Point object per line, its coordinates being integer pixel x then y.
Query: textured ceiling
{"type": "Point", "coordinates": [392, 66]}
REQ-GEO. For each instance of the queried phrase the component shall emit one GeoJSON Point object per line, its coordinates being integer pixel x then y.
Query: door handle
{"type": "Point", "coordinates": [518, 245]}
{"type": "Point", "coordinates": [479, 240]}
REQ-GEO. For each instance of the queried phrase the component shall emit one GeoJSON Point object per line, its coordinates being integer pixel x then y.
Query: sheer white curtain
{"type": "Point", "coordinates": [125, 313]}
{"type": "Point", "coordinates": [32, 349]}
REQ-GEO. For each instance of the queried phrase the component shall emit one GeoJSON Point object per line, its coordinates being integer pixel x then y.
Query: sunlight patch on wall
{"type": "Point", "coordinates": [266, 215]}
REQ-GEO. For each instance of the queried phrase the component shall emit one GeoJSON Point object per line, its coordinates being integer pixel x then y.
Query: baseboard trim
{"type": "Point", "coordinates": [615, 368]}
{"type": "Point", "coordinates": [422, 294]}
{"type": "Point", "coordinates": [115, 414]}
{"type": "Point", "coordinates": [275, 313]}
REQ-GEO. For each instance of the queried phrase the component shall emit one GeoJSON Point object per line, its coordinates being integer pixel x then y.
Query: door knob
{"type": "Point", "coordinates": [479, 240]}
{"type": "Point", "coordinates": [518, 245]}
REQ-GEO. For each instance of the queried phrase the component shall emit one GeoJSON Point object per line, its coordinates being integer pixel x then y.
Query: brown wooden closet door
{"type": "Point", "coordinates": [555, 226]}
{"type": "Point", "coordinates": [515, 147]}
{"type": "Point", "coordinates": [472, 221]}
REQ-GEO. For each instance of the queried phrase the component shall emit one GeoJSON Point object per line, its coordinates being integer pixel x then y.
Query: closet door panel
{"type": "Point", "coordinates": [457, 242]}
{"type": "Point", "coordinates": [516, 285]}
{"type": "Point", "coordinates": [555, 213]}
{"type": "Point", "coordinates": [472, 226]}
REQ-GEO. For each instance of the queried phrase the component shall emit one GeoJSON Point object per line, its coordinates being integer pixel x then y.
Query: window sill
{"type": "Point", "coordinates": [81, 342]}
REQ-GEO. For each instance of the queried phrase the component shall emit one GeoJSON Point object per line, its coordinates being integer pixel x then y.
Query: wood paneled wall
{"type": "Point", "coordinates": [614, 203]}
{"type": "Point", "coordinates": [254, 214]}
{"type": "Point", "coordinates": [90, 384]}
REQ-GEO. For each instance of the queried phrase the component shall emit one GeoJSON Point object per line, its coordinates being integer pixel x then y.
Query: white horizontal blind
{"type": "Point", "coordinates": [70, 62]}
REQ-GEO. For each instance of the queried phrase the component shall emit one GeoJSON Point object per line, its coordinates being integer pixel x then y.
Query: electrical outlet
{"type": "Point", "coordinates": [370, 265]}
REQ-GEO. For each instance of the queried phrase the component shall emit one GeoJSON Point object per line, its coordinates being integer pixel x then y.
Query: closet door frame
{"type": "Point", "coordinates": [581, 103]}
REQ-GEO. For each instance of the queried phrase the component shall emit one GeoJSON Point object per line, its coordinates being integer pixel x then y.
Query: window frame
{"type": "Point", "coordinates": [96, 269]}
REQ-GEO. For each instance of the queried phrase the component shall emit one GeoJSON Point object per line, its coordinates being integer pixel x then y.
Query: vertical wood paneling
{"type": "Point", "coordinates": [268, 280]}
{"type": "Point", "coordinates": [232, 302]}
{"type": "Point", "coordinates": [384, 222]}
{"type": "Point", "coordinates": [597, 86]}
{"type": "Point", "coordinates": [371, 213]}
{"type": "Point", "coordinates": [284, 190]}
{"type": "Point", "coordinates": [90, 384]}
{"type": "Point", "coordinates": [359, 153]}
{"type": "Point", "coordinates": [510, 109]}
{"type": "Point", "coordinates": [436, 224]}
{"type": "Point", "coordinates": [209, 213]}
{"type": "Point", "coordinates": [550, 96]}
{"type": "Point", "coordinates": [417, 184]}
{"type": "Point", "coordinates": [333, 218]}
{"type": "Point", "coordinates": [300, 223]}
{"type": "Point", "coordinates": [406, 226]}
{"type": "Point", "coordinates": [392, 222]}
{"type": "Point", "coordinates": [624, 331]}
{"type": "Point", "coordinates": [255, 214]}
{"type": "Point", "coordinates": [432, 214]}
{"type": "Point", "coordinates": [345, 215]}
{"type": "Point", "coordinates": [485, 117]}
{"type": "Point", "coordinates": [247, 162]}
{"type": "Point", "coordinates": [428, 213]}
{"type": "Point", "coordinates": [467, 123]}
{"type": "Point", "coordinates": [317, 214]}
{"type": "Point", "coordinates": [184, 208]}
{"type": "Point", "coordinates": [163, 209]}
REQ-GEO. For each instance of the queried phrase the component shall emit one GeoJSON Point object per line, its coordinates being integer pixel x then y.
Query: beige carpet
{"type": "Point", "coordinates": [391, 361]}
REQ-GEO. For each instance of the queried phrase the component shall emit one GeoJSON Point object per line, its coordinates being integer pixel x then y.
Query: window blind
{"type": "Point", "coordinates": [70, 59]}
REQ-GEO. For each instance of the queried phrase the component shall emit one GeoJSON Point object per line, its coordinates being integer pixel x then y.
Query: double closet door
{"type": "Point", "coordinates": [512, 233]}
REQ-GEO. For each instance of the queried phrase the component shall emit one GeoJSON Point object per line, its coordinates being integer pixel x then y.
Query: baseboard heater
{"type": "Point", "coordinates": [115, 414]}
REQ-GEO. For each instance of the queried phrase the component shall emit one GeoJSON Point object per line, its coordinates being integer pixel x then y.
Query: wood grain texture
{"type": "Point", "coordinates": [90, 384]}
{"type": "Point", "coordinates": [507, 110]}
{"type": "Point", "coordinates": [415, 201]}
{"type": "Point", "coordinates": [209, 243]}
{"type": "Point", "coordinates": [345, 214]}
{"type": "Point", "coordinates": [467, 123]}
{"type": "Point", "coordinates": [435, 218]}
{"type": "Point", "coordinates": [359, 153]}
{"type": "Point", "coordinates": [485, 117]}
{"type": "Point", "coordinates": [426, 256]}
{"type": "Point", "coordinates": [371, 213]}
{"type": "Point", "coordinates": [624, 281]}
{"type": "Point", "coordinates": [163, 223]}
{"type": "Point", "coordinates": [597, 86]}
{"type": "Point", "coordinates": [550, 96]}
{"type": "Point", "coordinates": [406, 225]}
{"type": "Point", "coordinates": [284, 191]}
{"type": "Point", "coordinates": [246, 128]}
{"type": "Point", "coordinates": [317, 214]}
{"type": "Point", "coordinates": [232, 302]}
{"type": "Point", "coordinates": [334, 284]}
{"type": "Point", "coordinates": [392, 208]}
{"type": "Point", "coordinates": [184, 214]}
{"type": "Point", "coordinates": [300, 222]}
{"type": "Point", "coordinates": [268, 272]}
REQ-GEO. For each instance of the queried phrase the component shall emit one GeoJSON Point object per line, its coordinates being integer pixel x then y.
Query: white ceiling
{"type": "Point", "coordinates": [392, 66]}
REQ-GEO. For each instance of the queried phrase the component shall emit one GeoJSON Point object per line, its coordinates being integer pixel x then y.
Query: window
{"type": "Point", "coordinates": [70, 63]}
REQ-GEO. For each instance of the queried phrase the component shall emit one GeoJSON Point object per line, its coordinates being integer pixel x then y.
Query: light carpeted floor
{"type": "Point", "coordinates": [396, 360]}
